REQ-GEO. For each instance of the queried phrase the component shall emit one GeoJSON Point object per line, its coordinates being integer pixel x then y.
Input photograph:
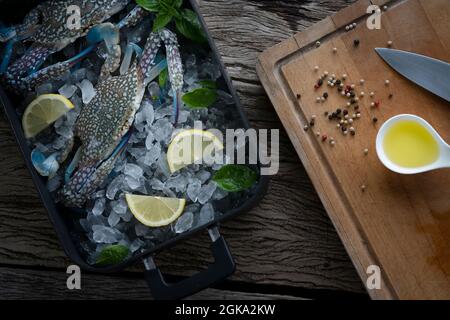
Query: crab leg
{"type": "Point", "coordinates": [175, 68]}
{"type": "Point", "coordinates": [133, 18]}
{"type": "Point", "coordinates": [89, 177]}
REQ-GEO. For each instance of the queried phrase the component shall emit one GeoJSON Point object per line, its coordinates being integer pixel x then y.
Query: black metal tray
{"type": "Point", "coordinates": [223, 265]}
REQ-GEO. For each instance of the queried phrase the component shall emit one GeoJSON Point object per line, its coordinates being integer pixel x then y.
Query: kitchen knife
{"type": "Point", "coordinates": [429, 73]}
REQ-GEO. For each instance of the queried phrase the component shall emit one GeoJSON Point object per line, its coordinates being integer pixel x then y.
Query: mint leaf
{"type": "Point", "coordinates": [149, 5]}
{"type": "Point", "coordinates": [163, 77]}
{"type": "Point", "coordinates": [113, 254]}
{"type": "Point", "coordinates": [210, 84]}
{"type": "Point", "coordinates": [189, 26]}
{"type": "Point", "coordinates": [162, 20]}
{"type": "Point", "coordinates": [235, 178]}
{"type": "Point", "coordinates": [200, 98]}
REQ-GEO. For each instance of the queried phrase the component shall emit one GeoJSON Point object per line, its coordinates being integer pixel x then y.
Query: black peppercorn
{"type": "Point", "coordinates": [375, 119]}
{"type": "Point", "coordinates": [338, 111]}
{"type": "Point", "coordinates": [298, 96]}
{"type": "Point", "coordinates": [325, 95]}
{"type": "Point", "coordinates": [345, 112]}
{"type": "Point", "coordinates": [356, 42]}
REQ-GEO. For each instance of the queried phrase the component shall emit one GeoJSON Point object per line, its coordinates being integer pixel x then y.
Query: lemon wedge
{"type": "Point", "coordinates": [43, 111]}
{"type": "Point", "coordinates": [155, 211]}
{"type": "Point", "coordinates": [190, 146]}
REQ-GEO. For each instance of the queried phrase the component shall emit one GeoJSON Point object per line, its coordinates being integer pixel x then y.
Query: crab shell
{"type": "Point", "coordinates": [54, 31]}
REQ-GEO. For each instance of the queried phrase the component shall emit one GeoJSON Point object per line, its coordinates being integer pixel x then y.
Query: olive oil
{"type": "Point", "coordinates": [408, 144]}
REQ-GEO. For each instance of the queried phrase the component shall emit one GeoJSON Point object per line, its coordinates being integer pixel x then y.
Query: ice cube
{"type": "Point", "coordinates": [191, 77]}
{"type": "Point", "coordinates": [152, 155]}
{"type": "Point", "coordinates": [113, 219]}
{"type": "Point", "coordinates": [183, 116]}
{"type": "Point", "coordinates": [184, 223]}
{"type": "Point", "coordinates": [136, 152]}
{"type": "Point", "coordinates": [206, 214]}
{"type": "Point", "coordinates": [149, 141]}
{"type": "Point", "coordinates": [141, 230]}
{"type": "Point", "coordinates": [99, 207]}
{"type": "Point", "coordinates": [132, 183]}
{"type": "Point", "coordinates": [177, 183]}
{"type": "Point", "coordinates": [54, 183]}
{"type": "Point", "coordinates": [163, 112]}
{"type": "Point", "coordinates": [44, 88]}
{"type": "Point", "coordinates": [203, 176]}
{"type": "Point", "coordinates": [210, 69]}
{"type": "Point", "coordinates": [191, 61]}
{"type": "Point", "coordinates": [219, 194]}
{"type": "Point", "coordinates": [154, 90]}
{"type": "Point", "coordinates": [133, 170]}
{"type": "Point", "coordinates": [162, 130]}
{"type": "Point", "coordinates": [162, 168]}
{"type": "Point", "coordinates": [136, 245]}
{"type": "Point", "coordinates": [68, 90]}
{"type": "Point", "coordinates": [120, 207]}
{"type": "Point", "coordinates": [79, 75]}
{"type": "Point", "coordinates": [156, 184]}
{"type": "Point", "coordinates": [114, 187]}
{"type": "Point", "coordinates": [193, 190]}
{"type": "Point", "coordinates": [104, 234]}
{"type": "Point", "coordinates": [206, 192]}
{"type": "Point", "coordinates": [87, 90]}
{"type": "Point", "coordinates": [65, 131]}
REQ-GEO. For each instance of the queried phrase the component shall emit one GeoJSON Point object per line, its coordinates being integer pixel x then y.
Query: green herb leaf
{"type": "Point", "coordinates": [235, 178]}
{"type": "Point", "coordinates": [162, 19]}
{"type": "Point", "coordinates": [113, 254]}
{"type": "Point", "coordinates": [163, 78]}
{"type": "Point", "coordinates": [200, 98]}
{"type": "Point", "coordinates": [177, 3]}
{"type": "Point", "coordinates": [149, 5]}
{"type": "Point", "coordinates": [189, 26]}
{"type": "Point", "coordinates": [210, 84]}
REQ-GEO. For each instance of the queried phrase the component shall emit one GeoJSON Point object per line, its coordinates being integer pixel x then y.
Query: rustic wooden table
{"type": "Point", "coordinates": [285, 248]}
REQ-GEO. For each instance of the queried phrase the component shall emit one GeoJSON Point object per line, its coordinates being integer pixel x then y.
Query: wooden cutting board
{"type": "Point", "coordinates": [399, 223]}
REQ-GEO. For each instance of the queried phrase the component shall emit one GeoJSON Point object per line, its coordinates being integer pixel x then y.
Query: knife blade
{"type": "Point", "coordinates": [429, 73]}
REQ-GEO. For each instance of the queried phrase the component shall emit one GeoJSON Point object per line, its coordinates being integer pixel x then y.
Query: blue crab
{"type": "Point", "coordinates": [46, 26]}
{"type": "Point", "coordinates": [103, 126]}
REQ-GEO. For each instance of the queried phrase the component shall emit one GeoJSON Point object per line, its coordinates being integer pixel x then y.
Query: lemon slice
{"type": "Point", "coordinates": [43, 111]}
{"type": "Point", "coordinates": [155, 211]}
{"type": "Point", "coordinates": [189, 146]}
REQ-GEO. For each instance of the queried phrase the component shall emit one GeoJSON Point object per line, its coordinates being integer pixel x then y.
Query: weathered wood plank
{"type": "Point", "coordinates": [287, 240]}
{"type": "Point", "coordinates": [51, 285]}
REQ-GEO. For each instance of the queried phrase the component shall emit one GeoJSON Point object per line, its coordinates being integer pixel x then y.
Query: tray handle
{"type": "Point", "coordinates": [222, 267]}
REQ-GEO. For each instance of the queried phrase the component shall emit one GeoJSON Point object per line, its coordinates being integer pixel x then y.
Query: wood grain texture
{"type": "Point", "coordinates": [393, 222]}
{"type": "Point", "coordinates": [287, 240]}
{"type": "Point", "coordinates": [28, 284]}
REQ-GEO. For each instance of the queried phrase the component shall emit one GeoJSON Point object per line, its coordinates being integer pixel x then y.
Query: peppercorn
{"type": "Point", "coordinates": [391, 96]}
{"type": "Point", "coordinates": [338, 111]}
{"type": "Point", "coordinates": [299, 95]}
{"type": "Point", "coordinates": [345, 112]}
{"type": "Point", "coordinates": [324, 137]}
{"type": "Point", "coordinates": [330, 117]}
{"type": "Point", "coordinates": [338, 82]}
{"type": "Point", "coordinates": [325, 113]}
{"type": "Point", "coordinates": [325, 95]}
{"type": "Point", "coordinates": [374, 119]}
{"type": "Point", "coordinates": [356, 42]}
{"type": "Point", "coordinates": [366, 151]}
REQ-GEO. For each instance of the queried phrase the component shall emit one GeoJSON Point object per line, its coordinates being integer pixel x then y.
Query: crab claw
{"type": "Point", "coordinates": [46, 167]}
{"type": "Point", "coordinates": [107, 32]}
